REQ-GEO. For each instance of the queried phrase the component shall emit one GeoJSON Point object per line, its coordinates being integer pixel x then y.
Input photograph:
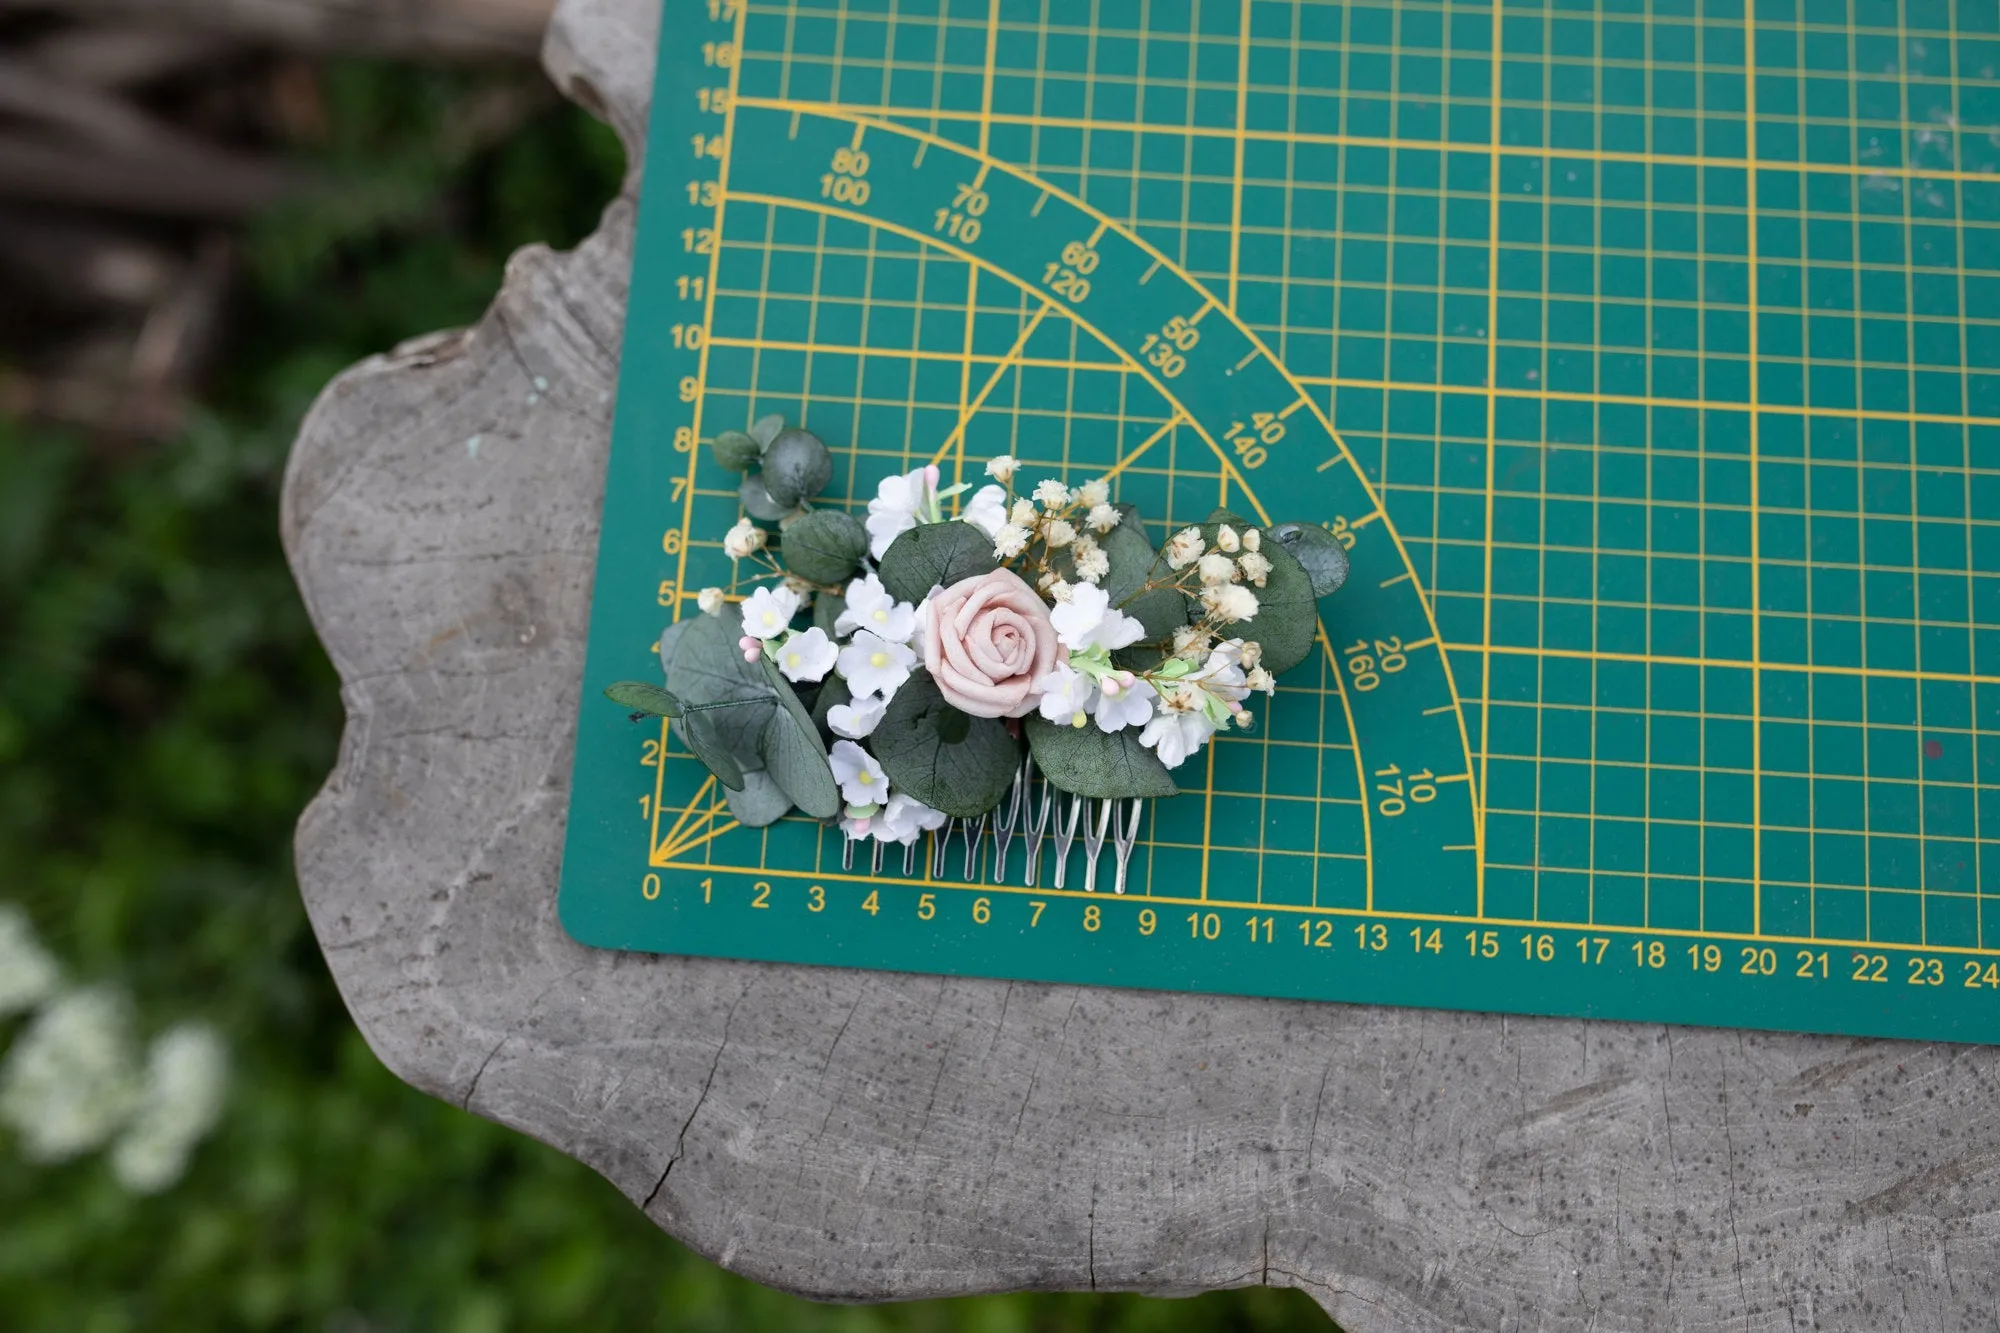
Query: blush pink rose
{"type": "Point", "coordinates": [987, 640]}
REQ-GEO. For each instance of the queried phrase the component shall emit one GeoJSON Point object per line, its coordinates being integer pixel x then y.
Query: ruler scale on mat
{"type": "Point", "coordinates": [1646, 359]}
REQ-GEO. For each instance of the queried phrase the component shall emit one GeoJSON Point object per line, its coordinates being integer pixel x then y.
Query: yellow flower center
{"type": "Point", "coordinates": [770, 617]}
{"type": "Point", "coordinates": [791, 659]}
{"type": "Point", "coordinates": [1079, 719]}
{"type": "Point", "coordinates": [865, 777]}
{"type": "Point", "coordinates": [879, 660]}
{"type": "Point", "coordinates": [881, 616]}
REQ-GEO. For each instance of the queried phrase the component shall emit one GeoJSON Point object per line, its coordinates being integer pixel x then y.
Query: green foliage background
{"type": "Point", "coordinates": [165, 712]}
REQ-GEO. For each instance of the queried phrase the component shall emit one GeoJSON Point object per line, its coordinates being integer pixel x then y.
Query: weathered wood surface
{"type": "Point", "coordinates": [865, 1136]}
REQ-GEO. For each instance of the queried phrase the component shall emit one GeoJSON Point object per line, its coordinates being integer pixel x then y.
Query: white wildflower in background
{"type": "Point", "coordinates": [808, 656]}
{"type": "Point", "coordinates": [768, 611]}
{"type": "Point", "coordinates": [986, 510]}
{"type": "Point", "coordinates": [742, 539]}
{"type": "Point", "coordinates": [187, 1081]}
{"type": "Point", "coordinates": [72, 1080]}
{"type": "Point", "coordinates": [710, 601]}
{"type": "Point", "coordinates": [28, 975]}
{"type": "Point", "coordinates": [1002, 469]}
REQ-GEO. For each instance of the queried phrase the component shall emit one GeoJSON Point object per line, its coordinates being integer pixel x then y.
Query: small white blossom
{"type": "Point", "coordinates": [857, 719]}
{"type": "Point", "coordinates": [874, 665]}
{"type": "Point", "coordinates": [900, 504]}
{"type": "Point", "coordinates": [1184, 548]}
{"type": "Point", "coordinates": [1226, 539]}
{"type": "Point", "coordinates": [1255, 567]}
{"type": "Point", "coordinates": [72, 1079]}
{"type": "Point", "coordinates": [187, 1082]}
{"type": "Point", "coordinates": [1088, 620]}
{"type": "Point", "coordinates": [1094, 493]}
{"type": "Point", "coordinates": [1260, 679]}
{"type": "Point", "coordinates": [1103, 518]}
{"type": "Point", "coordinates": [986, 510]}
{"type": "Point", "coordinates": [1216, 568]}
{"type": "Point", "coordinates": [1251, 653]}
{"type": "Point", "coordinates": [1068, 696]}
{"type": "Point", "coordinates": [1059, 591]}
{"type": "Point", "coordinates": [1023, 514]}
{"type": "Point", "coordinates": [808, 656]}
{"type": "Point", "coordinates": [1243, 718]}
{"type": "Point", "coordinates": [710, 600]}
{"type": "Point", "coordinates": [768, 612]}
{"type": "Point", "coordinates": [905, 818]}
{"type": "Point", "coordinates": [1124, 701]}
{"type": "Point", "coordinates": [1230, 603]}
{"type": "Point", "coordinates": [742, 539]}
{"type": "Point", "coordinates": [1191, 641]}
{"type": "Point", "coordinates": [1091, 562]}
{"type": "Point", "coordinates": [1252, 539]}
{"type": "Point", "coordinates": [1058, 533]}
{"type": "Point", "coordinates": [1176, 731]}
{"type": "Point", "coordinates": [28, 974]}
{"type": "Point", "coordinates": [1002, 469]}
{"type": "Point", "coordinates": [1052, 494]}
{"type": "Point", "coordinates": [1010, 541]}
{"type": "Point", "coordinates": [861, 779]}
{"type": "Point", "coordinates": [872, 607]}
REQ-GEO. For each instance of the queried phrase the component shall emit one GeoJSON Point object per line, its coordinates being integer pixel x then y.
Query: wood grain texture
{"type": "Point", "coordinates": [869, 1136]}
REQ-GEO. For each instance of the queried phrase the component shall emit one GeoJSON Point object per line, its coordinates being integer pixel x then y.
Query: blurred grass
{"type": "Point", "coordinates": [165, 712]}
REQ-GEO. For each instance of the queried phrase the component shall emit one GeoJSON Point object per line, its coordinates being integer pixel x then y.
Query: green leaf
{"type": "Point", "coordinates": [758, 502]}
{"type": "Point", "coordinates": [1161, 611]}
{"type": "Point", "coordinates": [824, 546]}
{"type": "Point", "coordinates": [1087, 762]}
{"type": "Point", "coordinates": [765, 429]}
{"type": "Point", "coordinates": [827, 607]}
{"type": "Point", "coordinates": [668, 639]}
{"type": "Point", "coordinates": [735, 450]}
{"type": "Point", "coordinates": [965, 779]}
{"type": "Point", "coordinates": [700, 734]}
{"type": "Point", "coordinates": [761, 802]}
{"type": "Point", "coordinates": [794, 755]}
{"type": "Point", "coordinates": [708, 668]}
{"type": "Point", "coordinates": [796, 467]}
{"type": "Point", "coordinates": [638, 696]}
{"type": "Point", "coordinates": [1287, 619]}
{"type": "Point", "coordinates": [934, 555]}
{"type": "Point", "coordinates": [1218, 516]}
{"type": "Point", "coordinates": [1324, 558]}
{"type": "Point", "coordinates": [833, 692]}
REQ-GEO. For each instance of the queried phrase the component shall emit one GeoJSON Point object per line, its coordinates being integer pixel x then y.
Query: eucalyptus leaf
{"type": "Point", "coordinates": [934, 555]}
{"type": "Point", "coordinates": [965, 779]}
{"type": "Point", "coordinates": [794, 755]}
{"type": "Point", "coordinates": [1087, 762]}
{"type": "Point", "coordinates": [1218, 516]}
{"type": "Point", "coordinates": [1324, 558]}
{"type": "Point", "coordinates": [637, 696]}
{"type": "Point", "coordinates": [765, 429]}
{"type": "Point", "coordinates": [668, 639]}
{"type": "Point", "coordinates": [827, 607]}
{"type": "Point", "coordinates": [761, 801]}
{"type": "Point", "coordinates": [700, 734]}
{"type": "Point", "coordinates": [1131, 553]}
{"type": "Point", "coordinates": [735, 450]}
{"type": "Point", "coordinates": [824, 546]}
{"type": "Point", "coordinates": [708, 668]}
{"type": "Point", "coordinates": [832, 694]}
{"type": "Point", "coordinates": [1287, 620]}
{"type": "Point", "coordinates": [796, 467]}
{"type": "Point", "coordinates": [758, 502]}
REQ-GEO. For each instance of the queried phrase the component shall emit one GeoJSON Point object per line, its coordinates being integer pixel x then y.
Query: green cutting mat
{"type": "Point", "coordinates": [1647, 359]}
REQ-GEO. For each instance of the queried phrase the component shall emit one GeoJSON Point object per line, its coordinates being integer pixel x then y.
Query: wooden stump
{"type": "Point", "coordinates": [863, 1136]}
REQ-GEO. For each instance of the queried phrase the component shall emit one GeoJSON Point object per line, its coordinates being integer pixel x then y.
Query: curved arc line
{"type": "Point", "coordinates": [989, 161]}
{"type": "Point", "coordinates": [1340, 686]}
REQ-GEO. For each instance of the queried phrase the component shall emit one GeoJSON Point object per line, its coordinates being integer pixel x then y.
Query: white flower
{"type": "Point", "coordinates": [1244, 719]}
{"type": "Point", "coordinates": [767, 612]}
{"type": "Point", "coordinates": [1191, 641]}
{"type": "Point", "coordinates": [857, 719]}
{"type": "Point", "coordinates": [1023, 514]}
{"type": "Point", "coordinates": [1123, 701]}
{"type": "Point", "coordinates": [1010, 541]}
{"type": "Point", "coordinates": [900, 504]}
{"type": "Point", "coordinates": [1176, 733]}
{"type": "Point", "coordinates": [808, 656]}
{"type": "Point", "coordinates": [1103, 518]}
{"type": "Point", "coordinates": [1255, 567]}
{"type": "Point", "coordinates": [1226, 539]}
{"type": "Point", "coordinates": [1251, 653]}
{"type": "Point", "coordinates": [1068, 695]}
{"type": "Point", "coordinates": [1052, 494]}
{"type": "Point", "coordinates": [28, 974]}
{"type": "Point", "coordinates": [1222, 675]}
{"type": "Point", "coordinates": [1252, 539]}
{"type": "Point", "coordinates": [861, 779]}
{"type": "Point", "coordinates": [72, 1079]}
{"type": "Point", "coordinates": [742, 539]}
{"type": "Point", "coordinates": [1002, 469]}
{"type": "Point", "coordinates": [1058, 533]}
{"type": "Point", "coordinates": [871, 607]}
{"type": "Point", "coordinates": [1092, 494]}
{"type": "Point", "coordinates": [1216, 568]}
{"type": "Point", "coordinates": [872, 664]}
{"type": "Point", "coordinates": [710, 600]}
{"type": "Point", "coordinates": [905, 818]}
{"type": "Point", "coordinates": [1230, 602]}
{"type": "Point", "coordinates": [1260, 679]}
{"type": "Point", "coordinates": [187, 1080]}
{"type": "Point", "coordinates": [986, 510]}
{"type": "Point", "coordinates": [1184, 548]}
{"type": "Point", "coordinates": [1091, 562]}
{"type": "Point", "coordinates": [1088, 620]}
{"type": "Point", "coordinates": [1058, 590]}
